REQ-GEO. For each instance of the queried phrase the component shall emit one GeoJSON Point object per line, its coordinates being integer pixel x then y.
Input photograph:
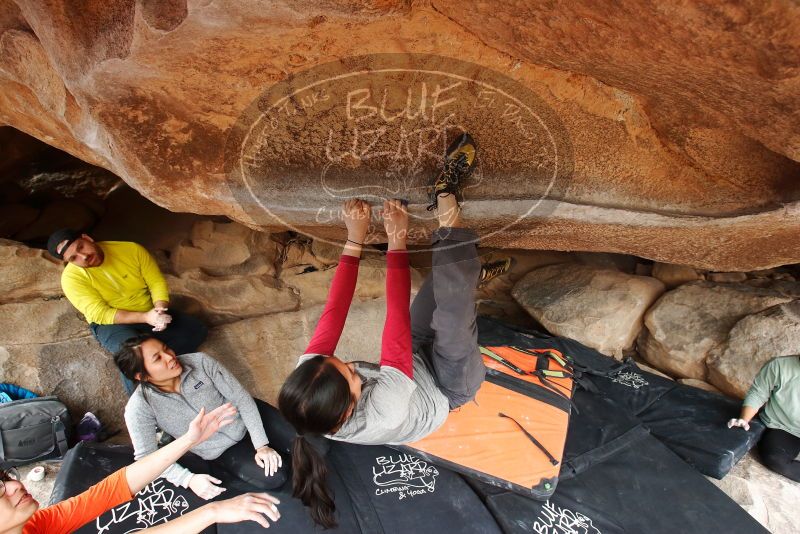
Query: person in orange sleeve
{"type": "Point", "coordinates": [20, 513]}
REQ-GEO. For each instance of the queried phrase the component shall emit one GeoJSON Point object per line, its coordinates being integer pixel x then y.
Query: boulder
{"type": "Point", "coordinates": [262, 351]}
{"type": "Point", "coordinates": [313, 285]}
{"type": "Point", "coordinates": [221, 299]}
{"type": "Point", "coordinates": [494, 298]}
{"type": "Point", "coordinates": [769, 497]}
{"type": "Point", "coordinates": [298, 255]}
{"type": "Point", "coordinates": [326, 252]}
{"type": "Point", "coordinates": [225, 248]}
{"type": "Point", "coordinates": [27, 273]}
{"type": "Point", "coordinates": [645, 367]}
{"type": "Point", "coordinates": [687, 322]}
{"type": "Point", "coordinates": [40, 321]}
{"type": "Point", "coordinates": [784, 287]}
{"type": "Point", "coordinates": [59, 178]}
{"type": "Point", "coordinates": [79, 372]}
{"type": "Point", "coordinates": [675, 275]}
{"type": "Point", "coordinates": [751, 343]}
{"type": "Point", "coordinates": [727, 278]}
{"type": "Point", "coordinates": [524, 260]}
{"type": "Point", "coordinates": [620, 262]}
{"type": "Point", "coordinates": [601, 308]}
{"type": "Point", "coordinates": [687, 165]}
{"type": "Point", "coordinates": [695, 383]}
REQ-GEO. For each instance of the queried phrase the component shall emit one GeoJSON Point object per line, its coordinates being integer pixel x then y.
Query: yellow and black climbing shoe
{"type": "Point", "coordinates": [458, 165]}
{"type": "Point", "coordinates": [493, 269]}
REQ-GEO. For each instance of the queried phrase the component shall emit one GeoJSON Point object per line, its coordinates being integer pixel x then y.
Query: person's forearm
{"type": "Point", "coordinates": [748, 412]}
{"type": "Point", "coordinates": [144, 471]}
{"type": "Point", "coordinates": [352, 247]}
{"type": "Point", "coordinates": [252, 420]}
{"type": "Point", "coordinates": [188, 523]}
{"type": "Point", "coordinates": [331, 322]}
{"type": "Point", "coordinates": [397, 242]}
{"type": "Point", "coordinates": [129, 317]}
{"type": "Point", "coordinates": [161, 304]}
{"type": "Point", "coordinates": [396, 339]}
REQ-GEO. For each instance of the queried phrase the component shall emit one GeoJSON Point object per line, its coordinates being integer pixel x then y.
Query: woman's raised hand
{"type": "Point", "coordinates": [356, 218]}
{"type": "Point", "coordinates": [395, 221]}
{"type": "Point", "coordinates": [205, 424]}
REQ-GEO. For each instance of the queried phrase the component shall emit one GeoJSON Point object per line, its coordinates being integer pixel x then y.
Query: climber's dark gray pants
{"type": "Point", "coordinates": [443, 328]}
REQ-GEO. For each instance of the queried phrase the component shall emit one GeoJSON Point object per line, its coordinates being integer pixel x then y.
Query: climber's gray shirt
{"type": "Point", "coordinates": [393, 408]}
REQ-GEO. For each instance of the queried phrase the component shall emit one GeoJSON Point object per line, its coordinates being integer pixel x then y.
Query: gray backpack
{"type": "Point", "coordinates": [32, 430]}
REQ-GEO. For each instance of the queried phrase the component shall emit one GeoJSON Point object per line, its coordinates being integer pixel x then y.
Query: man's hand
{"type": "Point", "coordinates": [205, 486]}
{"type": "Point", "coordinates": [268, 459]}
{"type": "Point", "coordinates": [247, 507]}
{"type": "Point", "coordinates": [205, 424]}
{"type": "Point", "coordinates": [158, 319]}
{"type": "Point", "coordinates": [395, 221]}
{"type": "Point", "coordinates": [741, 423]}
{"type": "Point", "coordinates": [356, 218]}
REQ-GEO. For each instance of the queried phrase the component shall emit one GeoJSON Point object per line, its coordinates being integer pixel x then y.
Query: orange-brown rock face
{"type": "Point", "coordinates": [666, 132]}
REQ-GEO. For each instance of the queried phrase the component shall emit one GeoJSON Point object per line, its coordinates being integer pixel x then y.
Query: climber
{"type": "Point", "coordinates": [20, 513]}
{"type": "Point", "coordinates": [119, 289]}
{"type": "Point", "coordinates": [171, 388]}
{"type": "Point", "coordinates": [430, 362]}
{"type": "Point", "coordinates": [776, 388]}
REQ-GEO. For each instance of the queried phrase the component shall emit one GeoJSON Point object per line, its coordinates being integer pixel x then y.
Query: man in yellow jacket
{"type": "Point", "coordinates": [119, 288]}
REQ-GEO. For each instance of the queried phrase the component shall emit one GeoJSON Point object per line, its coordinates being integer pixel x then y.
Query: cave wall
{"type": "Point", "coordinates": [675, 125]}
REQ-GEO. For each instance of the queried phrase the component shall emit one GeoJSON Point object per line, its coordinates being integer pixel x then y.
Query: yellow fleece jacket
{"type": "Point", "coordinates": [128, 279]}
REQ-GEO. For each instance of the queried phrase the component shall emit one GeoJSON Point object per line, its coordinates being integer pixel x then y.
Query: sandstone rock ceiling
{"type": "Point", "coordinates": [676, 124]}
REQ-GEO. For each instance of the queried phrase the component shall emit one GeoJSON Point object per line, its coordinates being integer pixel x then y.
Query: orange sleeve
{"type": "Point", "coordinates": [68, 516]}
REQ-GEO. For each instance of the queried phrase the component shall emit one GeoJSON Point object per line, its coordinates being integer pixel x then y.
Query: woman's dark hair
{"type": "Point", "coordinates": [315, 399]}
{"type": "Point", "coordinates": [129, 358]}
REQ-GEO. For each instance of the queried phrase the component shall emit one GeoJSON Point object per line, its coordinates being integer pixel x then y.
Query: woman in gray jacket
{"type": "Point", "coordinates": [171, 391]}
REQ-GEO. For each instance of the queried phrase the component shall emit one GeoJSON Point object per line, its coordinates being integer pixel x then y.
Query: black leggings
{"type": "Point", "coordinates": [779, 451]}
{"type": "Point", "coordinates": [238, 464]}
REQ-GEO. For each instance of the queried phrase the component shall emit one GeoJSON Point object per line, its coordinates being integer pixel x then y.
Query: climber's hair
{"type": "Point", "coordinates": [129, 358]}
{"type": "Point", "coordinates": [315, 399]}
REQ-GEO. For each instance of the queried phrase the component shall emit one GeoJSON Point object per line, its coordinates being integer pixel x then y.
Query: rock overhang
{"type": "Point", "coordinates": [678, 151]}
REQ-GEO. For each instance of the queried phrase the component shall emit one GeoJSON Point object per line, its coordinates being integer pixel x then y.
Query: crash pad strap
{"type": "Point", "coordinates": [528, 389]}
{"type": "Point", "coordinates": [533, 439]}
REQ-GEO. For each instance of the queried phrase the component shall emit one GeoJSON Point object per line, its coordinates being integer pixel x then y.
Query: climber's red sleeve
{"type": "Point", "coordinates": [331, 322]}
{"type": "Point", "coordinates": [396, 342]}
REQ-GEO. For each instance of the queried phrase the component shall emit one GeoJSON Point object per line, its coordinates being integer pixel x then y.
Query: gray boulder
{"type": "Point", "coordinates": [684, 325]}
{"type": "Point", "coordinates": [752, 342]}
{"type": "Point", "coordinates": [602, 308]}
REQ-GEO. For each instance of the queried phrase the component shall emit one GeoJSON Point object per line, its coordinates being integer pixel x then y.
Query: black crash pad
{"type": "Point", "coordinates": [395, 492]}
{"type": "Point", "coordinates": [688, 420]}
{"type": "Point", "coordinates": [618, 478]}
{"type": "Point", "coordinates": [161, 501]}
{"type": "Point", "coordinates": [377, 490]}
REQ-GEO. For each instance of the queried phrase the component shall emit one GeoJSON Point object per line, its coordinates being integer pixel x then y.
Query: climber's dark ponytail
{"type": "Point", "coordinates": [315, 399]}
{"type": "Point", "coordinates": [309, 482]}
